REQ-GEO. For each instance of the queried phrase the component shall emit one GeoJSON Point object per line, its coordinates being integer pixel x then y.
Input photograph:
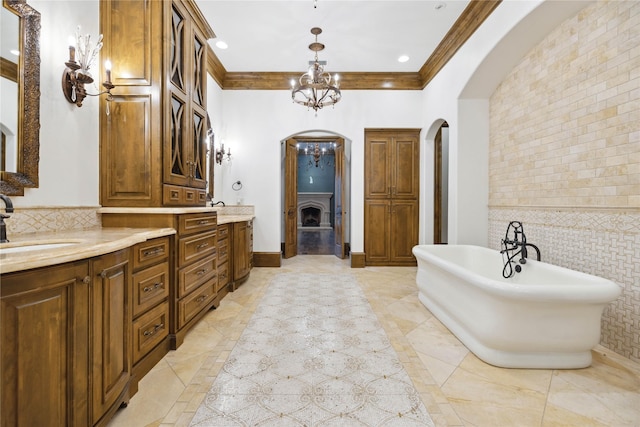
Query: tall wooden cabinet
{"type": "Point", "coordinates": [153, 131]}
{"type": "Point", "coordinates": [391, 195]}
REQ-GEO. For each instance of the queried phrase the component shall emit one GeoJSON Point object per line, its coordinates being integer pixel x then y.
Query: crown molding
{"type": "Point", "coordinates": [467, 23]}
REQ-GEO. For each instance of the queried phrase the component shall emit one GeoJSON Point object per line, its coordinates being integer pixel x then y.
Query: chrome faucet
{"type": "Point", "coordinates": [511, 248]}
{"type": "Point", "coordinates": [8, 208]}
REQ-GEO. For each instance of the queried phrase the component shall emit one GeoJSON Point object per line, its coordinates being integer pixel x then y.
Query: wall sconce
{"type": "Point", "coordinates": [76, 74]}
{"type": "Point", "coordinates": [220, 153]}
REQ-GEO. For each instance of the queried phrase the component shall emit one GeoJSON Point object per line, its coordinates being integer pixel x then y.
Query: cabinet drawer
{"type": "Point", "coordinates": [150, 286]}
{"type": "Point", "coordinates": [223, 251]}
{"type": "Point", "coordinates": [149, 330]}
{"type": "Point", "coordinates": [223, 276]}
{"type": "Point", "coordinates": [223, 231]}
{"type": "Point", "coordinates": [194, 303]}
{"type": "Point", "coordinates": [196, 247]}
{"type": "Point", "coordinates": [194, 223]}
{"type": "Point", "coordinates": [195, 275]}
{"type": "Point", "coordinates": [150, 252]}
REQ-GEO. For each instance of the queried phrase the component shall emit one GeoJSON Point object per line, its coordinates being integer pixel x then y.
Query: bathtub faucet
{"type": "Point", "coordinates": [512, 247]}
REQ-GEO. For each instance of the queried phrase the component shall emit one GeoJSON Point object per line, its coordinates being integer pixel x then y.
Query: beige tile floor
{"type": "Point", "coordinates": [456, 387]}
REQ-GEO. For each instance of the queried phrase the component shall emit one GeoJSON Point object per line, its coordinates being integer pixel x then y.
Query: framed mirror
{"type": "Point", "coordinates": [20, 149]}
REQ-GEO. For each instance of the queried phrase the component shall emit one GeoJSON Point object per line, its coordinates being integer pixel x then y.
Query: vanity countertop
{"type": "Point", "coordinates": [225, 215]}
{"type": "Point", "coordinates": [81, 244]}
{"type": "Point", "coordinates": [226, 219]}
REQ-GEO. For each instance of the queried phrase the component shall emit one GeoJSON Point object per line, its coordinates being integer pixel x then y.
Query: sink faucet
{"type": "Point", "coordinates": [217, 203]}
{"type": "Point", "coordinates": [8, 208]}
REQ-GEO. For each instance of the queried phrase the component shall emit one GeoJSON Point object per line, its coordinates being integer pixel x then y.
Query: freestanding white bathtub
{"type": "Point", "coordinates": [543, 317]}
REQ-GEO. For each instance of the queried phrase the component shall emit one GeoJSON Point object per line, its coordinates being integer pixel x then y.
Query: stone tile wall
{"type": "Point", "coordinates": [565, 155]}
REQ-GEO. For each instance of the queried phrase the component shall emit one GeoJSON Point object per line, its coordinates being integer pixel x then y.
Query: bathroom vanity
{"type": "Point", "coordinates": [86, 314]}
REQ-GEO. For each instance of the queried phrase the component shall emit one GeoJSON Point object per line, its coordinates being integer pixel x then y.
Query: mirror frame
{"type": "Point", "coordinates": [26, 175]}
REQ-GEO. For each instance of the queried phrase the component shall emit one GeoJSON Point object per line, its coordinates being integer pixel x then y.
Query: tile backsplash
{"type": "Point", "coordinates": [41, 219]}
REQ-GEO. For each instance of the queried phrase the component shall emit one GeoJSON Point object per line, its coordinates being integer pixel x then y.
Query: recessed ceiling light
{"type": "Point", "coordinates": [221, 44]}
{"type": "Point", "coordinates": [403, 58]}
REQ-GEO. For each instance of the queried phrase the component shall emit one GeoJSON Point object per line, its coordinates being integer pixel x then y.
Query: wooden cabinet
{"type": "Point", "coordinates": [153, 131]}
{"type": "Point", "coordinates": [45, 341]}
{"type": "Point", "coordinates": [110, 326]}
{"type": "Point", "coordinates": [150, 328]}
{"type": "Point", "coordinates": [194, 277]}
{"type": "Point", "coordinates": [66, 342]}
{"type": "Point", "coordinates": [242, 251]}
{"type": "Point", "coordinates": [391, 196]}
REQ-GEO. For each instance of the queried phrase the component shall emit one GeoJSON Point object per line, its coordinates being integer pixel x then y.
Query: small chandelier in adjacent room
{"type": "Point", "coordinates": [316, 88]}
{"type": "Point", "coordinates": [320, 154]}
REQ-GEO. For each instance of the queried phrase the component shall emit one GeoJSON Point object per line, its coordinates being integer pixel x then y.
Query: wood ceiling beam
{"type": "Point", "coordinates": [467, 23]}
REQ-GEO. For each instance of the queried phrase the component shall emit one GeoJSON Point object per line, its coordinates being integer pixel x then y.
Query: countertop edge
{"type": "Point", "coordinates": [90, 243]}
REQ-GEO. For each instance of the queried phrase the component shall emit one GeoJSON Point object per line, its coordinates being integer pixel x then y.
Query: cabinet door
{"type": "Point", "coordinates": [110, 331]}
{"type": "Point", "coordinates": [376, 239]}
{"type": "Point", "coordinates": [44, 335]}
{"type": "Point", "coordinates": [404, 230]}
{"type": "Point", "coordinates": [131, 134]}
{"type": "Point", "coordinates": [185, 158]}
{"type": "Point", "coordinates": [377, 179]}
{"type": "Point", "coordinates": [241, 261]}
{"type": "Point", "coordinates": [405, 169]}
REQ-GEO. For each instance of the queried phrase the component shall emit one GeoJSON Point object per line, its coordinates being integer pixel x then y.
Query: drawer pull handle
{"type": "Point", "coordinates": [154, 287]}
{"type": "Point", "coordinates": [156, 328]}
{"type": "Point", "coordinates": [201, 298]}
{"type": "Point", "coordinates": [203, 222]}
{"type": "Point", "coordinates": [202, 245]}
{"type": "Point", "coordinates": [201, 272]}
{"type": "Point", "coordinates": [152, 252]}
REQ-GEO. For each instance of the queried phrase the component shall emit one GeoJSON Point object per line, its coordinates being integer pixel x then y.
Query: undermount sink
{"type": "Point", "coordinates": [34, 247]}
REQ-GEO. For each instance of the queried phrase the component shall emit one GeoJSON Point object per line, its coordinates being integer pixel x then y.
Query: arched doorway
{"type": "Point", "coordinates": [315, 195]}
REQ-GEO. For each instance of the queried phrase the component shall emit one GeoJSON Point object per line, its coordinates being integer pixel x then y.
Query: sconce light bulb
{"type": "Point", "coordinates": [72, 49]}
{"type": "Point", "coordinates": [107, 67]}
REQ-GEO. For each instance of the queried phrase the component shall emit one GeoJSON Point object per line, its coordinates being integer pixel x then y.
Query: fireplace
{"type": "Point", "coordinates": [314, 210]}
{"type": "Point", "coordinates": [310, 217]}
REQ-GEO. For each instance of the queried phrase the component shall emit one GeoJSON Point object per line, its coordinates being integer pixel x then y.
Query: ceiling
{"type": "Point", "coordinates": [359, 35]}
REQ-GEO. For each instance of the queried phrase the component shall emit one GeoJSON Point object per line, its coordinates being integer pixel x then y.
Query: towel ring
{"type": "Point", "coordinates": [237, 186]}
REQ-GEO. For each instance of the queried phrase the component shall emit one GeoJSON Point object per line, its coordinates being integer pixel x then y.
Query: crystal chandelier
{"type": "Point", "coordinates": [318, 153]}
{"type": "Point", "coordinates": [316, 88]}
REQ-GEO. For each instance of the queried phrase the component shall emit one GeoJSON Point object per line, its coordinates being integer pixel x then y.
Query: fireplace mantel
{"type": "Point", "coordinates": [316, 200]}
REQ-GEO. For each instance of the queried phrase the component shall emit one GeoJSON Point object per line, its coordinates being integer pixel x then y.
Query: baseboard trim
{"type": "Point", "coordinates": [266, 259]}
{"type": "Point", "coordinates": [357, 260]}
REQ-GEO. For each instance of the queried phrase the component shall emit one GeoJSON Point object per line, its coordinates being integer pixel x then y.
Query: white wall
{"type": "Point", "coordinates": [257, 121]}
{"type": "Point", "coordinates": [68, 134]}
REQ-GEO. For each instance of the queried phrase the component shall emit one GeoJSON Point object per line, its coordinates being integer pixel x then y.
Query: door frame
{"type": "Point", "coordinates": [290, 245]}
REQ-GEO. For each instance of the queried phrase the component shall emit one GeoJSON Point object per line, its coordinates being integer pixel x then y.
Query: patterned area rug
{"type": "Point", "coordinates": [313, 354]}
